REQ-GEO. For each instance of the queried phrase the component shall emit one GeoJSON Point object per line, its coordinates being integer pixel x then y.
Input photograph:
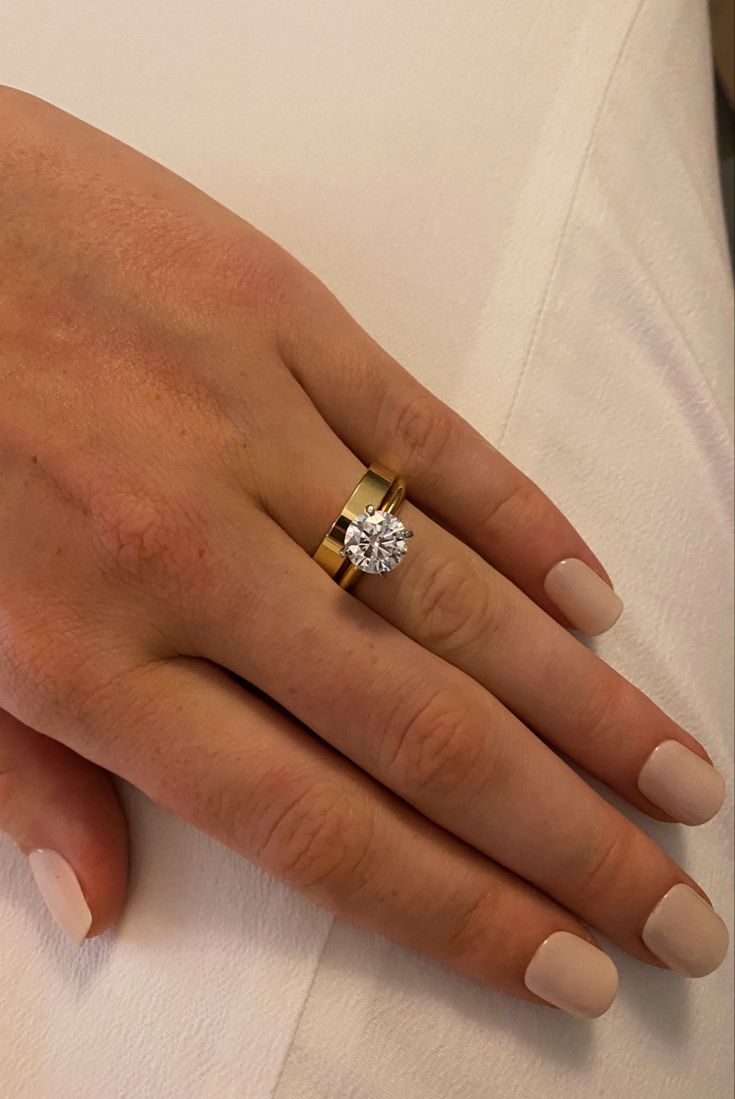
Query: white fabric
{"type": "Point", "coordinates": [519, 200]}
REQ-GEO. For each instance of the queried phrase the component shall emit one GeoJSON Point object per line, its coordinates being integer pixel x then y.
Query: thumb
{"type": "Point", "coordinates": [64, 814]}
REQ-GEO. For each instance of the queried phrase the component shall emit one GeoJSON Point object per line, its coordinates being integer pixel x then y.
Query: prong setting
{"type": "Point", "coordinates": [375, 541]}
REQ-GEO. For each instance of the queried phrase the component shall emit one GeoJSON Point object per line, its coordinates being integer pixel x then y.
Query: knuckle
{"type": "Point", "coordinates": [435, 747]}
{"type": "Point", "coordinates": [466, 941]}
{"type": "Point", "coordinates": [607, 710]}
{"type": "Point", "coordinates": [262, 272]}
{"type": "Point", "coordinates": [148, 538]}
{"type": "Point", "coordinates": [317, 842]}
{"type": "Point", "coordinates": [40, 668]}
{"type": "Point", "coordinates": [425, 430]}
{"type": "Point", "coordinates": [605, 865]}
{"type": "Point", "coordinates": [524, 502]}
{"type": "Point", "coordinates": [453, 604]}
{"type": "Point", "coordinates": [230, 273]}
{"type": "Point", "coordinates": [51, 669]}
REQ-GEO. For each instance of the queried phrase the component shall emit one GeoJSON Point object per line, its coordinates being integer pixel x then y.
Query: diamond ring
{"type": "Point", "coordinates": [367, 536]}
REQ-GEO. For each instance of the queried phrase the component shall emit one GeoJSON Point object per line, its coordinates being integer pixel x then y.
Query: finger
{"type": "Point", "coordinates": [450, 601]}
{"type": "Point", "coordinates": [383, 414]}
{"type": "Point", "coordinates": [64, 814]}
{"type": "Point", "coordinates": [203, 747]}
{"type": "Point", "coordinates": [435, 737]}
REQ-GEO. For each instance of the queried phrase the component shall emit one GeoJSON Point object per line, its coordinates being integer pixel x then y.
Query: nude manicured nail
{"type": "Point", "coordinates": [582, 596]}
{"type": "Point", "coordinates": [681, 783]}
{"type": "Point", "coordinates": [686, 933]}
{"type": "Point", "coordinates": [572, 974]}
{"type": "Point", "coordinates": [59, 886]}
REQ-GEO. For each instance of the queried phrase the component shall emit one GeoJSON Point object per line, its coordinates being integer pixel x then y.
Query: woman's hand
{"type": "Point", "coordinates": [185, 411]}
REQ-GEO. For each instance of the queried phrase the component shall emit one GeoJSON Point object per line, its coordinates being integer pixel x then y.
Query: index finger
{"type": "Point", "coordinates": [384, 414]}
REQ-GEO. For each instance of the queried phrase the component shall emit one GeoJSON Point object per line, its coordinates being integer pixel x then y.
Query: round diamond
{"type": "Point", "coordinates": [375, 542]}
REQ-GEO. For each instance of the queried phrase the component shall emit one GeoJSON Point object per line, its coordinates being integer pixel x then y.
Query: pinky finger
{"type": "Point", "coordinates": [64, 814]}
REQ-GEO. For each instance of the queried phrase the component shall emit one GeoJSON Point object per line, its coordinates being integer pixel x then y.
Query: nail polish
{"type": "Point", "coordinates": [681, 783]}
{"type": "Point", "coordinates": [572, 974]}
{"type": "Point", "coordinates": [686, 933]}
{"type": "Point", "coordinates": [583, 597]}
{"type": "Point", "coordinates": [60, 889]}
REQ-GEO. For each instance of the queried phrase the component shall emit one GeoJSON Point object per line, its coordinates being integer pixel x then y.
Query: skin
{"type": "Point", "coordinates": [185, 410]}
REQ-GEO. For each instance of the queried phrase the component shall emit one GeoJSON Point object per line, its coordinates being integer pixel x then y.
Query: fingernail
{"type": "Point", "coordinates": [572, 974]}
{"type": "Point", "coordinates": [59, 886]}
{"type": "Point", "coordinates": [582, 596]}
{"type": "Point", "coordinates": [686, 933]}
{"type": "Point", "coordinates": [681, 783]}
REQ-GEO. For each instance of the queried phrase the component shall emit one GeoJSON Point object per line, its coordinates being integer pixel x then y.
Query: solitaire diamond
{"type": "Point", "coordinates": [376, 541]}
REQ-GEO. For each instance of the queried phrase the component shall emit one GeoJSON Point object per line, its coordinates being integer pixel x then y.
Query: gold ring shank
{"type": "Point", "coordinates": [378, 487]}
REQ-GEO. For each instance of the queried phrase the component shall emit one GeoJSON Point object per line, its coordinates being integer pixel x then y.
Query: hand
{"type": "Point", "coordinates": [185, 412]}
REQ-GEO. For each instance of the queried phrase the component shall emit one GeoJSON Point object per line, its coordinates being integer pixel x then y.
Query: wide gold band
{"type": "Point", "coordinates": [378, 487]}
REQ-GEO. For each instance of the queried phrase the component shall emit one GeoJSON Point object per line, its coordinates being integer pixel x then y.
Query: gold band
{"type": "Point", "coordinates": [378, 487]}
